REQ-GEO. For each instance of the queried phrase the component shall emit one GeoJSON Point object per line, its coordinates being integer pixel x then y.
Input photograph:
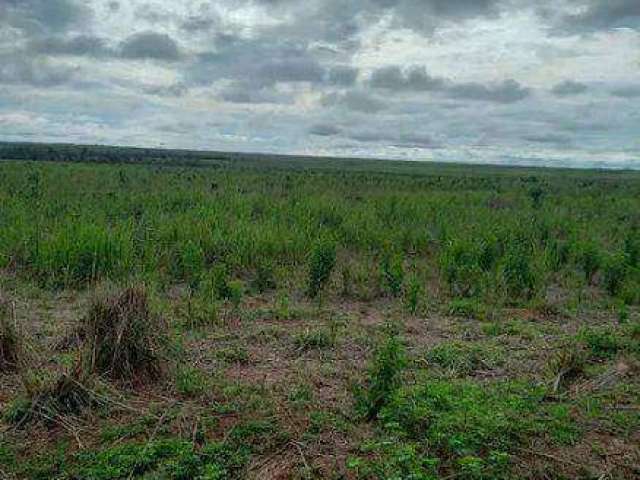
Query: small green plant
{"type": "Point", "coordinates": [190, 381]}
{"type": "Point", "coordinates": [392, 272]}
{"type": "Point", "coordinates": [264, 279]}
{"type": "Point", "coordinates": [518, 274]}
{"type": "Point", "coordinates": [460, 266]}
{"type": "Point", "coordinates": [233, 354]}
{"type": "Point", "coordinates": [588, 257]}
{"type": "Point", "coordinates": [413, 294]}
{"type": "Point", "coordinates": [459, 359]}
{"type": "Point", "coordinates": [467, 308]}
{"type": "Point", "coordinates": [623, 313]}
{"type": "Point", "coordinates": [316, 339]}
{"type": "Point", "coordinates": [384, 375]}
{"type": "Point", "coordinates": [321, 263]}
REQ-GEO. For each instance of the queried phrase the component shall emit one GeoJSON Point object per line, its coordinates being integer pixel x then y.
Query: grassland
{"type": "Point", "coordinates": [241, 317]}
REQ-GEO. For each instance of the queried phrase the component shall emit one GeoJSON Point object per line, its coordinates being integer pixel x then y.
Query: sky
{"type": "Point", "coordinates": [550, 83]}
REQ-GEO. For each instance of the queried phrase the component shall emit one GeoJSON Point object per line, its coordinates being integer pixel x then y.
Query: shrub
{"type": "Point", "coordinates": [125, 340]}
{"type": "Point", "coordinates": [264, 277]}
{"type": "Point", "coordinates": [589, 258]}
{"type": "Point", "coordinates": [518, 274]}
{"type": "Point", "coordinates": [384, 376]}
{"type": "Point", "coordinates": [461, 268]}
{"type": "Point", "coordinates": [191, 263]}
{"type": "Point", "coordinates": [615, 272]}
{"type": "Point", "coordinates": [321, 263]}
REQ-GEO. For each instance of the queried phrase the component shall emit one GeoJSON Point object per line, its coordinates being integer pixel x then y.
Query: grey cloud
{"type": "Point", "coordinates": [568, 88]}
{"type": "Point", "coordinates": [342, 75]}
{"type": "Point", "coordinates": [114, 6]}
{"type": "Point", "coordinates": [324, 130]}
{"type": "Point", "coordinates": [354, 100]}
{"type": "Point", "coordinates": [80, 45]}
{"type": "Point", "coordinates": [407, 139]}
{"type": "Point", "coordinates": [548, 139]}
{"type": "Point", "coordinates": [602, 15]}
{"type": "Point", "coordinates": [295, 70]}
{"type": "Point", "coordinates": [247, 92]}
{"type": "Point", "coordinates": [426, 15]}
{"type": "Point", "coordinates": [174, 90]}
{"type": "Point", "coordinates": [631, 91]}
{"type": "Point", "coordinates": [415, 78]}
{"type": "Point", "coordinates": [150, 45]}
{"type": "Point", "coordinates": [35, 72]}
{"type": "Point", "coordinates": [45, 15]}
{"type": "Point", "coordinates": [508, 91]}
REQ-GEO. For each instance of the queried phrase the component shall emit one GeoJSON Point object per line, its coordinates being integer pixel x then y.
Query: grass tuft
{"type": "Point", "coordinates": [125, 340]}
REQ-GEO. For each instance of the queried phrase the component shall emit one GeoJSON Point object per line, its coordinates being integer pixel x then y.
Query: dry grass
{"type": "Point", "coordinates": [124, 338]}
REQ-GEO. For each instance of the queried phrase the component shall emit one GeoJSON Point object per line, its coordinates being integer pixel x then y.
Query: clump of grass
{"type": "Point", "coordinates": [125, 340]}
{"type": "Point", "coordinates": [50, 400]}
{"type": "Point", "coordinates": [317, 339]}
{"type": "Point", "coordinates": [9, 340]}
{"type": "Point", "coordinates": [190, 381]}
{"type": "Point", "coordinates": [460, 359]}
{"type": "Point", "coordinates": [567, 365]}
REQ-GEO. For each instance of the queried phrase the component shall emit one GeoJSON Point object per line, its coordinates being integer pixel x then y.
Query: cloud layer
{"type": "Point", "coordinates": [501, 81]}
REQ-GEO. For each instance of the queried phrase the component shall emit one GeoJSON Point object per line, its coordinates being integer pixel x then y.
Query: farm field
{"type": "Point", "coordinates": [231, 317]}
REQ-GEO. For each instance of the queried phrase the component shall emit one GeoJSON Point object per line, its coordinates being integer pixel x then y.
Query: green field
{"type": "Point", "coordinates": [184, 315]}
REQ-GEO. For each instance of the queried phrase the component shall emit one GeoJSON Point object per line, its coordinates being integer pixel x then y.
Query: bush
{"type": "Point", "coordinates": [615, 273]}
{"type": "Point", "coordinates": [125, 339]}
{"type": "Point", "coordinates": [589, 258]}
{"type": "Point", "coordinates": [321, 263]}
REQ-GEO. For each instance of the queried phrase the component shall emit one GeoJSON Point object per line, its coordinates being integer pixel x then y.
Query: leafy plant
{"type": "Point", "coordinates": [321, 263]}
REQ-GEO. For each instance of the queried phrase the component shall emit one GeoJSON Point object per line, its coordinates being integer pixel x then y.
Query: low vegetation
{"type": "Point", "coordinates": [222, 316]}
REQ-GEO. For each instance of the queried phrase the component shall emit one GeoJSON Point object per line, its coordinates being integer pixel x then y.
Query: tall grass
{"type": "Point", "coordinates": [486, 234]}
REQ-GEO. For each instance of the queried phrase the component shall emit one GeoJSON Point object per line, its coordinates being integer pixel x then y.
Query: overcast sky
{"type": "Point", "coordinates": [551, 82]}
